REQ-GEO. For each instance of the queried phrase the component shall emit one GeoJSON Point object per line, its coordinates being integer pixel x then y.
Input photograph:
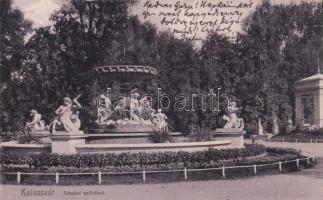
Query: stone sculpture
{"type": "Point", "coordinates": [128, 110]}
{"type": "Point", "coordinates": [135, 108]}
{"type": "Point", "coordinates": [103, 109]}
{"type": "Point", "coordinates": [159, 120]}
{"type": "Point", "coordinates": [275, 128]}
{"type": "Point", "coordinates": [36, 124]}
{"type": "Point", "coordinates": [260, 127]}
{"type": "Point", "coordinates": [232, 120]}
{"type": "Point", "coordinates": [67, 116]}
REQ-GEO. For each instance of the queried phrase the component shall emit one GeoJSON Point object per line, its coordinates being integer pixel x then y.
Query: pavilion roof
{"type": "Point", "coordinates": [317, 76]}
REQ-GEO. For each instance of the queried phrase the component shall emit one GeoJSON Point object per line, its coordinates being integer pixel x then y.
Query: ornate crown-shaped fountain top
{"type": "Point", "coordinates": [127, 71]}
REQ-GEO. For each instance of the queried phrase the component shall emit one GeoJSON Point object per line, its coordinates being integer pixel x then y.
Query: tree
{"type": "Point", "coordinates": [218, 65]}
{"type": "Point", "coordinates": [13, 29]}
{"type": "Point", "coordinates": [87, 34]}
{"type": "Point", "coordinates": [278, 46]}
{"type": "Point", "coordinates": [275, 39]}
{"type": "Point", "coordinates": [60, 59]}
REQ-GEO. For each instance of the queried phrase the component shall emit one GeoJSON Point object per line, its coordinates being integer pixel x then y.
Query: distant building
{"type": "Point", "coordinates": [309, 101]}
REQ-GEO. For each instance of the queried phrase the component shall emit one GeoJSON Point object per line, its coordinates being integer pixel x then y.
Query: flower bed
{"type": "Point", "coordinates": [150, 167]}
{"type": "Point", "coordinates": [181, 158]}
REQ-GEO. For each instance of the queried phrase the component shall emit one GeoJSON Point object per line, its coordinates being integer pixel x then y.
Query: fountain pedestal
{"type": "Point", "coordinates": [65, 142]}
{"type": "Point", "coordinates": [235, 135]}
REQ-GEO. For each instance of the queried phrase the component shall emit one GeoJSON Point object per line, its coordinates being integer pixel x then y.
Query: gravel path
{"type": "Point", "coordinates": [307, 184]}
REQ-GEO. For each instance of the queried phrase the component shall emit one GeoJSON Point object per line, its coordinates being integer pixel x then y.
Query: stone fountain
{"type": "Point", "coordinates": [123, 124]}
{"type": "Point", "coordinates": [123, 115]}
{"type": "Point", "coordinates": [128, 112]}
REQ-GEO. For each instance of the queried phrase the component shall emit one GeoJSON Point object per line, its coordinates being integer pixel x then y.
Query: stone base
{"type": "Point", "coordinates": [156, 147]}
{"type": "Point", "coordinates": [126, 128]}
{"type": "Point", "coordinates": [14, 147]}
{"type": "Point", "coordinates": [64, 142]}
{"type": "Point", "coordinates": [68, 133]}
{"type": "Point", "coordinates": [128, 138]}
{"type": "Point", "coordinates": [40, 133]}
{"type": "Point", "coordinates": [233, 134]}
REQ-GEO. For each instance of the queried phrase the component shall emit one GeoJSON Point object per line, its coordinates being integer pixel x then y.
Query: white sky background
{"type": "Point", "coordinates": [39, 11]}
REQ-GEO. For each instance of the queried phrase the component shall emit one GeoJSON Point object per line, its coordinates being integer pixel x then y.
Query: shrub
{"type": "Point", "coordinates": [160, 136]}
{"type": "Point", "coordinates": [267, 159]}
{"type": "Point", "coordinates": [27, 139]}
{"type": "Point", "coordinates": [314, 132]}
{"type": "Point", "coordinates": [200, 133]}
{"type": "Point", "coordinates": [283, 151]}
{"type": "Point", "coordinates": [15, 159]}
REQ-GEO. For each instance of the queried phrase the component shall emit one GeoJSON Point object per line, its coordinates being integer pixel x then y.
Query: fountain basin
{"type": "Point", "coordinates": [125, 142]}
{"type": "Point", "coordinates": [233, 134]}
{"type": "Point", "coordinates": [72, 145]}
{"type": "Point", "coordinates": [128, 138]}
{"type": "Point", "coordinates": [14, 147]}
{"type": "Point", "coordinates": [155, 147]}
{"type": "Point", "coordinates": [124, 129]}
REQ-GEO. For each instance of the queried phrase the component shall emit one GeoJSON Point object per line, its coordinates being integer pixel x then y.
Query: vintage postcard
{"type": "Point", "coordinates": [161, 99]}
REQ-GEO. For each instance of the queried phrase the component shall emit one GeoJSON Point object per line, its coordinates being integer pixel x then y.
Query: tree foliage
{"type": "Point", "coordinates": [279, 45]}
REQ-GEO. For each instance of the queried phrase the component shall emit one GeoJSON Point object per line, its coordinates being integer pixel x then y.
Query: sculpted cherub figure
{"type": "Point", "coordinates": [232, 120]}
{"type": "Point", "coordinates": [36, 124]}
{"type": "Point", "coordinates": [103, 109]}
{"type": "Point", "coordinates": [135, 106]}
{"type": "Point", "coordinates": [67, 116]}
{"type": "Point", "coordinates": [159, 119]}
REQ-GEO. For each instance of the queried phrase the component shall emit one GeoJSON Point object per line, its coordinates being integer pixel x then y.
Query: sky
{"type": "Point", "coordinates": [39, 11]}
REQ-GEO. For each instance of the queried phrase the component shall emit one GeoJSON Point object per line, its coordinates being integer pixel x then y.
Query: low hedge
{"type": "Point", "coordinates": [127, 162]}
{"type": "Point", "coordinates": [314, 132]}
{"type": "Point", "coordinates": [256, 160]}
{"type": "Point", "coordinates": [283, 151]}
{"type": "Point", "coordinates": [270, 158]}
{"type": "Point", "coordinates": [185, 159]}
